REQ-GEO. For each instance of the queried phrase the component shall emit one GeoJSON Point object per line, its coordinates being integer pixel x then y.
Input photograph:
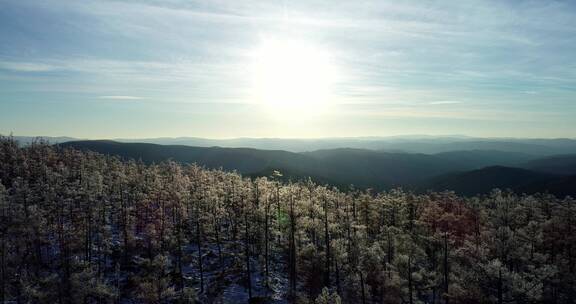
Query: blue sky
{"type": "Point", "coordinates": [120, 69]}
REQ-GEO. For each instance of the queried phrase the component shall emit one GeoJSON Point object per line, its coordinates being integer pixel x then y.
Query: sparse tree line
{"type": "Point", "coordinates": [80, 227]}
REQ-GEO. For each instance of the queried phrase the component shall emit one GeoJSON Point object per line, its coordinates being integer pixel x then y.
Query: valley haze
{"type": "Point", "coordinates": [407, 143]}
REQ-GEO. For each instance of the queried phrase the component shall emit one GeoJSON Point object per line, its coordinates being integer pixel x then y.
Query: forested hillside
{"type": "Point", "coordinates": [484, 180]}
{"type": "Point", "coordinates": [465, 172]}
{"type": "Point", "coordinates": [559, 164]}
{"type": "Point", "coordinates": [81, 227]}
{"type": "Point", "coordinates": [408, 144]}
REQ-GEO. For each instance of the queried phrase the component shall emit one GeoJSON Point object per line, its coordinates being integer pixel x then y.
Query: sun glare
{"type": "Point", "coordinates": [292, 76]}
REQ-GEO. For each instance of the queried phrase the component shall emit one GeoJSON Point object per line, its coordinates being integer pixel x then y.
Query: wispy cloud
{"type": "Point", "coordinates": [121, 97]}
{"type": "Point", "coordinates": [444, 102]}
{"type": "Point", "coordinates": [26, 66]}
{"type": "Point", "coordinates": [443, 59]}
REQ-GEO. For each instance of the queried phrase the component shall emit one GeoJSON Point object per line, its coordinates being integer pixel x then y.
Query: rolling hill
{"type": "Point", "coordinates": [559, 186]}
{"type": "Point", "coordinates": [483, 180]}
{"type": "Point", "coordinates": [243, 160]}
{"type": "Point", "coordinates": [558, 164]}
{"type": "Point", "coordinates": [364, 168]}
{"type": "Point", "coordinates": [462, 171]}
{"type": "Point", "coordinates": [408, 143]}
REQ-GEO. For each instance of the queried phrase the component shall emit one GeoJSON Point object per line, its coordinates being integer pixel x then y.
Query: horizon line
{"type": "Point", "coordinates": [292, 138]}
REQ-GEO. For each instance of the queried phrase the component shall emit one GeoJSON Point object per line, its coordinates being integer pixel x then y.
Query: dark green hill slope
{"type": "Point", "coordinates": [483, 180]}
{"type": "Point", "coordinates": [243, 160]}
{"type": "Point", "coordinates": [363, 168]}
{"type": "Point", "coordinates": [342, 167]}
{"type": "Point", "coordinates": [559, 164]}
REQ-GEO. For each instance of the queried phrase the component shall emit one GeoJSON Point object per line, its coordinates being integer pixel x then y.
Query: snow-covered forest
{"type": "Point", "coordinates": [80, 227]}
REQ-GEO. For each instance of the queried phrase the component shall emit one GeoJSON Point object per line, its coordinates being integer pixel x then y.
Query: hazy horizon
{"type": "Point", "coordinates": [399, 136]}
{"type": "Point", "coordinates": [287, 69]}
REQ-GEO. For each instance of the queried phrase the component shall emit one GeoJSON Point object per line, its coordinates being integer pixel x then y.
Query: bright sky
{"type": "Point", "coordinates": [109, 69]}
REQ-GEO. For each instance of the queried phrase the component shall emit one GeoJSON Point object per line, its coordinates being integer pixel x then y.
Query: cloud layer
{"type": "Point", "coordinates": [496, 59]}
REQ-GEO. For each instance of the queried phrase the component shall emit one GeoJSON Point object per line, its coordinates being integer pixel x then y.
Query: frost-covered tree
{"type": "Point", "coordinates": [77, 226]}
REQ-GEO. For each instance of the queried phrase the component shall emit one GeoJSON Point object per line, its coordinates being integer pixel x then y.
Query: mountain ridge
{"type": "Point", "coordinates": [426, 144]}
{"type": "Point", "coordinates": [343, 166]}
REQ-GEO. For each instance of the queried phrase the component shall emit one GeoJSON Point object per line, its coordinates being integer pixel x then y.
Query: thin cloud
{"type": "Point", "coordinates": [121, 97]}
{"type": "Point", "coordinates": [444, 102]}
{"type": "Point", "coordinates": [26, 66]}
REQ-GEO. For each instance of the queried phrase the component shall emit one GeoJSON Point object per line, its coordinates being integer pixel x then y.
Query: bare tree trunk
{"type": "Point", "coordinates": [3, 255]}
{"type": "Point", "coordinates": [218, 242]}
{"type": "Point", "coordinates": [500, 287]}
{"type": "Point", "coordinates": [337, 268]}
{"type": "Point", "coordinates": [327, 240]}
{"type": "Point", "coordinates": [3, 269]}
{"type": "Point", "coordinates": [162, 222]}
{"type": "Point", "coordinates": [179, 249]}
{"type": "Point", "coordinates": [410, 299]}
{"type": "Point", "coordinates": [390, 248]}
{"type": "Point", "coordinates": [278, 210]}
{"type": "Point", "coordinates": [247, 253]}
{"type": "Point", "coordinates": [363, 290]}
{"type": "Point", "coordinates": [199, 243]}
{"type": "Point", "coordinates": [292, 249]}
{"type": "Point", "coordinates": [124, 227]}
{"type": "Point", "coordinates": [446, 269]}
{"type": "Point", "coordinates": [266, 236]}
{"type": "Point", "coordinates": [87, 237]}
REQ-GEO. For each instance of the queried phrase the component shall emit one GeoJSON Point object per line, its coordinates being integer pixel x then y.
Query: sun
{"type": "Point", "coordinates": [292, 76]}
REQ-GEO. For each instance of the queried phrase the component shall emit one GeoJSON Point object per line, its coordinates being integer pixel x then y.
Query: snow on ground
{"type": "Point", "coordinates": [226, 283]}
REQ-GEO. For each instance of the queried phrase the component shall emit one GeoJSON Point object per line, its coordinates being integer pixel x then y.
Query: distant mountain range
{"type": "Point", "coordinates": [466, 172]}
{"type": "Point", "coordinates": [26, 140]}
{"type": "Point", "coordinates": [409, 144]}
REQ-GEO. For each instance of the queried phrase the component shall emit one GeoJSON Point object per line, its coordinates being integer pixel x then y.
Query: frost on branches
{"type": "Point", "coordinates": [79, 227]}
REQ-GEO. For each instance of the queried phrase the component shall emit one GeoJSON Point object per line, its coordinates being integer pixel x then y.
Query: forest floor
{"type": "Point", "coordinates": [226, 281]}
